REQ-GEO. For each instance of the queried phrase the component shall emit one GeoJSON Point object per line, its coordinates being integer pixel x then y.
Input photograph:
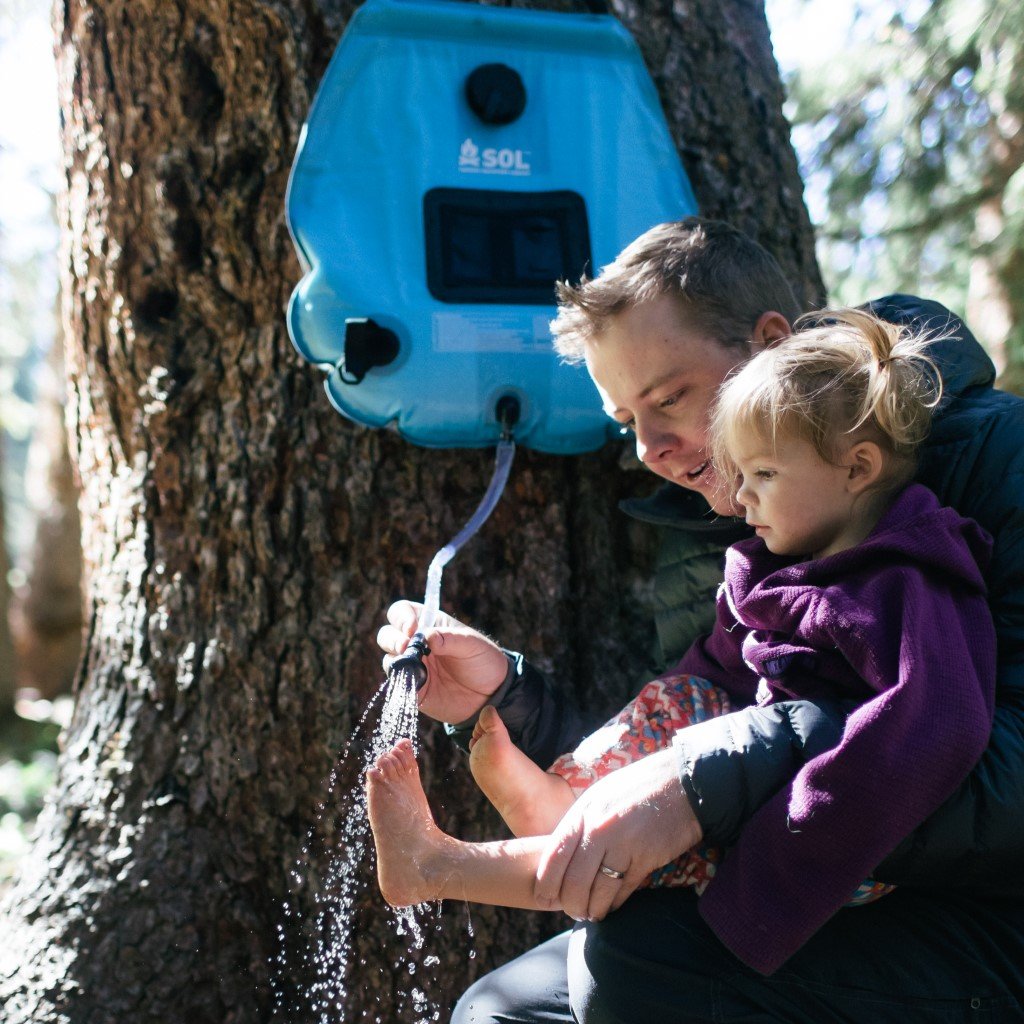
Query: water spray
{"type": "Point", "coordinates": [410, 662]}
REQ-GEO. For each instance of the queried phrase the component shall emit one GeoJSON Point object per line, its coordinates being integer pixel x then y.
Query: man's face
{"type": "Point", "coordinates": [659, 378]}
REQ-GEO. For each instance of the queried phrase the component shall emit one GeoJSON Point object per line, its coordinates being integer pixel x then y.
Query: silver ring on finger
{"type": "Point", "coordinates": [611, 872]}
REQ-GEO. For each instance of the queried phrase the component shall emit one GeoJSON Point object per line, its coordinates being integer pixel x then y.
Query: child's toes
{"type": "Point", "coordinates": [478, 731]}
{"type": "Point", "coordinates": [490, 722]}
{"type": "Point", "coordinates": [500, 730]}
{"type": "Point", "coordinates": [390, 766]}
{"type": "Point", "coordinates": [489, 725]}
{"type": "Point", "coordinates": [404, 757]}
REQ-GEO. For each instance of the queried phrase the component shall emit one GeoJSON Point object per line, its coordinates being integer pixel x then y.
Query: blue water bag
{"type": "Point", "coordinates": [457, 161]}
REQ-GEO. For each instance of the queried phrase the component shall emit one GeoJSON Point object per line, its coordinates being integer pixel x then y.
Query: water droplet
{"type": "Point", "coordinates": [321, 938]}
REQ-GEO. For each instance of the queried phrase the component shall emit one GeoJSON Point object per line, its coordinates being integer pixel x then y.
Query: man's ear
{"type": "Point", "coordinates": [771, 328]}
{"type": "Point", "coordinates": [864, 462]}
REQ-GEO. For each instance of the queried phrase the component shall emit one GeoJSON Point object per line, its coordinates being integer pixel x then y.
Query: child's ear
{"type": "Point", "coordinates": [865, 461]}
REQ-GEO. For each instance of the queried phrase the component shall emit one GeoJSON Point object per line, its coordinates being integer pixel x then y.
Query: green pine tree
{"type": "Point", "coordinates": [914, 139]}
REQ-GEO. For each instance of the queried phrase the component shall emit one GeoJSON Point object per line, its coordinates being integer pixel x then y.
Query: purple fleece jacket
{"type": "Point", "coordinates": [900, 623]}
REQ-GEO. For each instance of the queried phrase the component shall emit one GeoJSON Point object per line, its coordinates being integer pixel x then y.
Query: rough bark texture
{"type": "Point", "coordinates": [995, 293]}
{"type": "Point", "coordinates": [241, 539]}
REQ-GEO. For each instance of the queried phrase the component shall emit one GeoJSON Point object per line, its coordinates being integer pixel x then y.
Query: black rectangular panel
{"type": "Point", "coordinates": [487, 246]}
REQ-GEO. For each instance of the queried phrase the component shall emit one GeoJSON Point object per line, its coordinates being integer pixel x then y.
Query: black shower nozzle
{"type": "Point", "coordinates": [410, 662]}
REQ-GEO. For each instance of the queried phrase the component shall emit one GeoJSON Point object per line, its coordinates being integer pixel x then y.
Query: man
{"type": "Point", "coordinates": [659, 330]}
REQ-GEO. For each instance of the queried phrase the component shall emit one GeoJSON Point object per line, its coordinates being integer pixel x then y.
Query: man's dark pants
{"type": "Point", "coordinates": [908, 957]}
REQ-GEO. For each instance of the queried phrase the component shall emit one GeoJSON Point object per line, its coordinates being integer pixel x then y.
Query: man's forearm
{"type": "Point", "coordinates": [730, 766]}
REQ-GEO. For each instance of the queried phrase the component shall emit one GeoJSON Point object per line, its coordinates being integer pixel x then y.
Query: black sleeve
{"type": "Point", "coordinates": [542, 721]}
{"type": "Point", "coordinates": [730, 766]}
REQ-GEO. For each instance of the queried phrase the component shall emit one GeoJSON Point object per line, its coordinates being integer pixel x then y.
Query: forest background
{"type": "Point", "coordinates": [909, 130]}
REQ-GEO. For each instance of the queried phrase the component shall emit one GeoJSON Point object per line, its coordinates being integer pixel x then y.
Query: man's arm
{"type": "Point", "coordinates": [728, 767]}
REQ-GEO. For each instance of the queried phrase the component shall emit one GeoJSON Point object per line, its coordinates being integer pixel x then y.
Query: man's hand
{"type": "Point", "coordinates": [632, 821]}
{"type": "Point", "coordinates": [463, 668]}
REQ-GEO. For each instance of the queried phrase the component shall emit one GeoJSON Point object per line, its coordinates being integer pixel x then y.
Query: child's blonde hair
{"type": "Point", "coordinates": [846, 378]}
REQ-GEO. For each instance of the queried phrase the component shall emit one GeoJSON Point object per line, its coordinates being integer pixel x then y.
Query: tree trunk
{"type": "Point", "coordinates": [241, 539]}
{"type": "Point", "coordinates": [995, 294]}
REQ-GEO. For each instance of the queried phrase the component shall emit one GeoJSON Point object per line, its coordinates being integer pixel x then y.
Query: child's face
{"type": "Point", "coordinates": [798, 503]}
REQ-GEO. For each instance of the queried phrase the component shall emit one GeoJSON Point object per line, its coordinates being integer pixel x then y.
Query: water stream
{"type": "Point", "coordinates": [324, 947]}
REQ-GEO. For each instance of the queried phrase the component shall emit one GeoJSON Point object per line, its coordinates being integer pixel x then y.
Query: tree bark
{"type": "Point", "coordinates": [995, 292]}
{"type": "Point", "coordinates": [241, 539]}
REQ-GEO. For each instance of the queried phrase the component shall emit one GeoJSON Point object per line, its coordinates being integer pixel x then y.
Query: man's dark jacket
{"type": "Point", "coordinates": [974, 461]}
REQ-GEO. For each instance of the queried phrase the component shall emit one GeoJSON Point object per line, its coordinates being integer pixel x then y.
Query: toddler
{"type": "Point", "coordinates": [857, 587]}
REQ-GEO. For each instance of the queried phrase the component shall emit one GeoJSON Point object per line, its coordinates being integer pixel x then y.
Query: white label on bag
{"type": "Point", "coordinates": [489, 332]}
{"type": "Point", "coordinates": [473, 160]}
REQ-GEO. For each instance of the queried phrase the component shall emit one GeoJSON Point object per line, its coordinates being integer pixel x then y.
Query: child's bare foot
{"type": "Point", "coordinates": [530, 800]}
{"type": "Point", "coordinates": [410, 846]}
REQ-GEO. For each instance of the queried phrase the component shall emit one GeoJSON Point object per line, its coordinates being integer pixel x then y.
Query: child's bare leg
{"type": "Point", "coordinates": [417, 862]}
{"type": "Point", "coordinates": [529, 799]}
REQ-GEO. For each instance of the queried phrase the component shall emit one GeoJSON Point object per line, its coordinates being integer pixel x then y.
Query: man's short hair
{"type": "Point", "coordinates": [723, 280]}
